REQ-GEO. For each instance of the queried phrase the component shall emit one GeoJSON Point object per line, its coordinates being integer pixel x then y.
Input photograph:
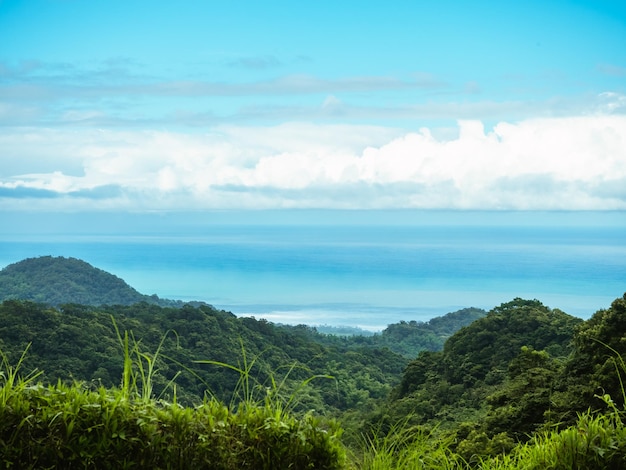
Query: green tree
{"type": "Point", "coordinates": [595, 366]}
{"type": "Point", "coordinates": [521, 404]}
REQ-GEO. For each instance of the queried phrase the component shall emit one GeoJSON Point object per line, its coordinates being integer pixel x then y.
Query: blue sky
{"type": "Point", "coordinates": [177, 106]}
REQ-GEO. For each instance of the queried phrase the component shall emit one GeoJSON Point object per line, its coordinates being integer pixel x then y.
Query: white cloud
{"type": "Point", "coordinates": [548, 163]}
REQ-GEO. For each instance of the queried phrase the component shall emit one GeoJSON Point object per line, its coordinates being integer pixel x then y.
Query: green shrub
{"type": "Point", "coordinates": [73, 426]}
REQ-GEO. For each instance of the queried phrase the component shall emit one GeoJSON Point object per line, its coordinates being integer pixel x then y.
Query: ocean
{"type": "Point", "coordinates": [366, 271]}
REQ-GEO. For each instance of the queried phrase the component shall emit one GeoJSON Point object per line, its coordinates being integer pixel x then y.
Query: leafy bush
{"type": "Point", "coordinates": [73, 426]}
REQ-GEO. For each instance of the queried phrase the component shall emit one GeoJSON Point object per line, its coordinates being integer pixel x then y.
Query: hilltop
{"type": "Point", "coordinates": [59, 280]}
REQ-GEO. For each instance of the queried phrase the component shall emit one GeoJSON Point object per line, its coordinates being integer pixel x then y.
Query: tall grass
{"type": "Point", "coordinates": [406, 447]}
{"type": "Point", "coordinates": [278, 395]}
{"type": "Point", "coordinates": [139, 366]}
{"type": "Point", "coordinates": [11, 381]}
{"type": "Point", "coordinates": [72, 426]}
{"type": "Point", "coordinates": [596, 442]}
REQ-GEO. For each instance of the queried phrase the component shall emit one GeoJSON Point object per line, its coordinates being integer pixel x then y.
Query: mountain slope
{"type": "Point", "coordinates": [503, 373]}
{"type": "Point", "coordinates": [82, 342]}
{"type": "Point", "coordinates": [59, 280]}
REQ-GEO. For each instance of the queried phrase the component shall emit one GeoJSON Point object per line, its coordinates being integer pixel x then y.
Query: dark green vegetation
{"type": "Point", "coordinates": [76, 426]}
{"type": "Point", "coordinates": [80, 342]}
{"type": "Point", "coordinates": [496, 381]}
{"type": "Point", "coordinates": [58, 280]}
{"type": "Point", "coordinates": [523, 386]}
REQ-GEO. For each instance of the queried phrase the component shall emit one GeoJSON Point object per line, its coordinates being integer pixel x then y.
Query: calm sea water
{"type": "Point", "coordinates": [366, 275]}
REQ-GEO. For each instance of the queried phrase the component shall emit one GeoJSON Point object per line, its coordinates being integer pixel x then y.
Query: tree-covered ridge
{"type": "Point", "coordinates": [407, 338]}
{"type": "Point", "coordinates": [522, 369]}
{"type": "Point", "coordinates": [59, 280]}
{"type": "Point", "coordinates": [482, 351]}
{"type": "Point", "coordinates": [81, 342]}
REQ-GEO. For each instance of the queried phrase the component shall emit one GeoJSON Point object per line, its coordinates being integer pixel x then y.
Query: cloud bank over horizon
{"type": "Point", "coordinates": [561, 163]}
{"type": "Point", "coordinates": [328, 105]}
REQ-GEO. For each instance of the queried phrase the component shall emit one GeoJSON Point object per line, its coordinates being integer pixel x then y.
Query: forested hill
{"type": "Point", "coordinates": [522, 367]}
{"type": "Point", "coordinates": [59, 280]}
{"type": "Point", "coordinates": [515, 372]}
{"type": "Point", "coordinates": [84, 343]}
{"type": "Point", "coordinates": [409, 338]}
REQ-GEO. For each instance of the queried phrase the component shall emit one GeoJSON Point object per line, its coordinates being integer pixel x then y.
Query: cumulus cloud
{"type": "Point", "coordinates": [547, 163]}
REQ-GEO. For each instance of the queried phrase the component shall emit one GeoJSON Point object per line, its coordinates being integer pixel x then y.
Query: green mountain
{"type": "Point", "coordinates": [58, 280]}
{"type": "Point", "coordinates": [407, 338]}
{"type": "Point", "coordinates": [500, 379]}
{"type": "Point", "coordinates": [68, 312]}
{"type": "Point", "coordinates": [483, 383]}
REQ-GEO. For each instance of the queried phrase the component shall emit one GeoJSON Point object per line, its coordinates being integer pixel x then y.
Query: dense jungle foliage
{"type": "Point", "coordinates": [80, 342]}
{"type": "Point", "coordinates": [522, 386]}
